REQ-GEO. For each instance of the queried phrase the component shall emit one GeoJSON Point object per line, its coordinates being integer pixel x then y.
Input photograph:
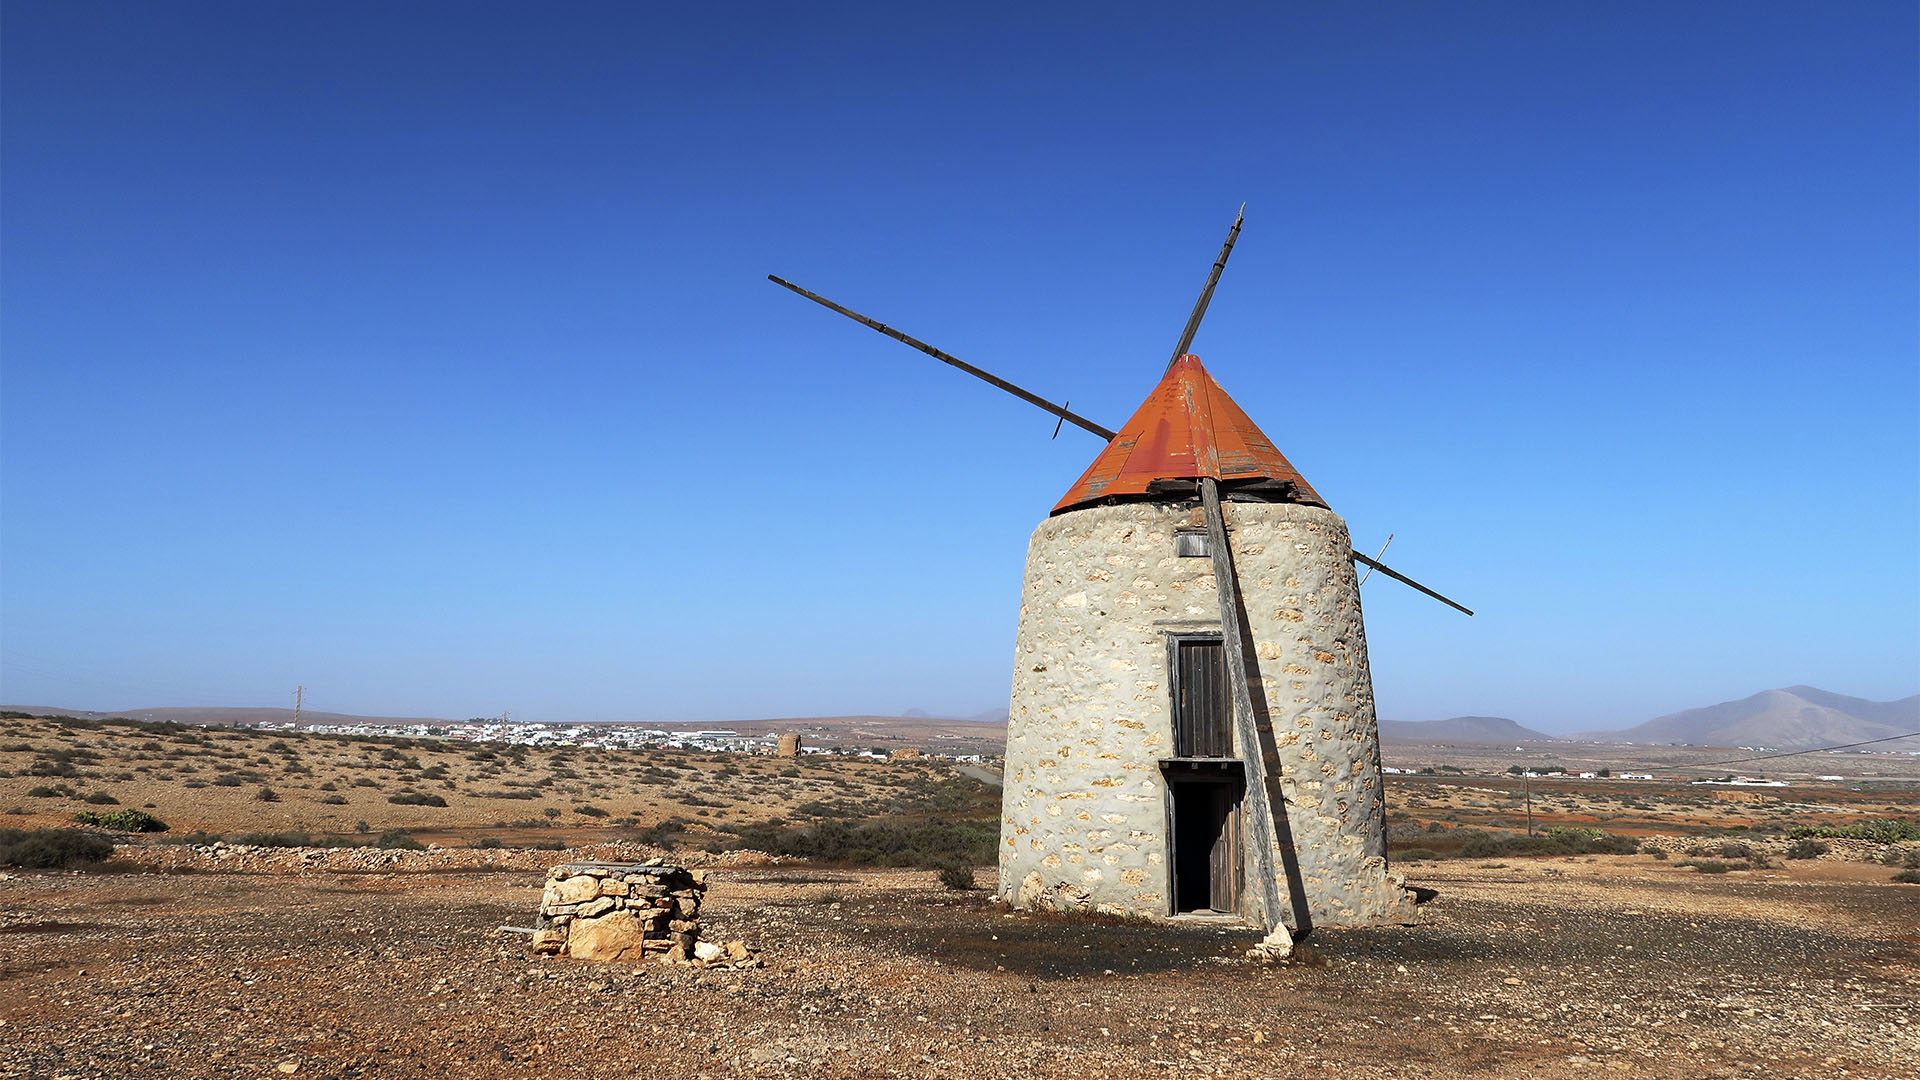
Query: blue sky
{"type": "Point", "coordinates": [422, 354]}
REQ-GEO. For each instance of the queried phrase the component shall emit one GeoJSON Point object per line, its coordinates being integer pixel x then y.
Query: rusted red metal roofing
{"type": "Point", "coordinates": [1187, 428]}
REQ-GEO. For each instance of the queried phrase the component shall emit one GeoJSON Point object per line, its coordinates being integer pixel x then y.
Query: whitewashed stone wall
{"type": "Point", "coordinates": [1084, 815]}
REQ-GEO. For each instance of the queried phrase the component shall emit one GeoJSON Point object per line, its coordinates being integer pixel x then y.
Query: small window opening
{"type": "Point", "coordinates": [1192, 543]}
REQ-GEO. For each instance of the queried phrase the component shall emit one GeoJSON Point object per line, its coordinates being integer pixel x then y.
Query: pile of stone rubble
{"type": "Point", "coordinates": [627, 911]}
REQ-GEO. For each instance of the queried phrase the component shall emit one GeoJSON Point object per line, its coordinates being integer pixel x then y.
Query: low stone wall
{"type": "Point", "coordinates": [222, 857]}
{"type": "Point", "coordinates": [628, 911]}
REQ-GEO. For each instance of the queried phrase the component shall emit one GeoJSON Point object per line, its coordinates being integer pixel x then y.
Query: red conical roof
{"type": "Point", "coordinates": [1187, 428]}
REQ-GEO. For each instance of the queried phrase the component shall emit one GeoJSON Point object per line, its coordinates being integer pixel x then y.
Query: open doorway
{"type": "Point", "coordinates": [1206, 845]}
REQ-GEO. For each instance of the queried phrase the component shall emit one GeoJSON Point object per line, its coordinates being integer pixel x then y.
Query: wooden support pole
{"type": "Point", "coordinates": [1261, 791]}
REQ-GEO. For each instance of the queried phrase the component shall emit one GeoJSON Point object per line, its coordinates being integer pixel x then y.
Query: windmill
{"type": "Point", "coordinates": [1192, 738]}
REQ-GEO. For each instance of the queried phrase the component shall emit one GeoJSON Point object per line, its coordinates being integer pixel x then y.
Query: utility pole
{"type": "Point", "coordinates": [299, 700]}
{"type": "Point", "coordinates": [1526, 784]}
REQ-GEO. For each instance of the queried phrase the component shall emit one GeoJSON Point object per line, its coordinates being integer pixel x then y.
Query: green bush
{"type": "Point", "coordinates": [969, 842]}
{"type": "Point", "coordinates": [334, 800]}
{"type": "Point", "coordinates": [590, 811]}
{"type": "Point", "coordinates": [399, 839]}
{"type": "Point", "coordinates": [266, 794]}
{"type": "Point", "coordinates": [1879, 830]}
{"type": "Point", "coordinates": [1908, 877]}
{"type": "Point", "coordinates": [100, 798]}
{"type": "Point", "coordinates": [1708, 866]}
{"type": "Point", "coordinates": [52, 849]}
{"type": "Point", "coordinates": [1480, 844]}
{"type": "Point", "coordinates": [1564, 840]}
{"type": "Point", "coordinates": [42, 791]}
{"type": "Point", "coordinates": [1418, 854]}
{"type": "Point", "coordinates": [1806, 848]}
{"type": "Point", "coordinates": [1575, 833]}
{"type": "Point", "coordinates": [957, 876]}
{"type": "Point", "coordinates": [416, 798]}
{"type": "Point", "coordinates": [122, 820]}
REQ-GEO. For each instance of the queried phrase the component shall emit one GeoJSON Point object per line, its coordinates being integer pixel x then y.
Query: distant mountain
{"type": "Point", "coordinates": [1792, 718]}
{"type": "Point", "coordinates": [991, 716]}
{"type": "Point", "coordinates": [1496, 729]}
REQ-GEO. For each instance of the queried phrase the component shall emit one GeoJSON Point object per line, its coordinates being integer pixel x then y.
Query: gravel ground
{"type": "Point", "coordinates": [1537, 968]}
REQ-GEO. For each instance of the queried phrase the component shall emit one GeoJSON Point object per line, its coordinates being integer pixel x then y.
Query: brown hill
{"type": "Point", "coordinates": [1791, 718]}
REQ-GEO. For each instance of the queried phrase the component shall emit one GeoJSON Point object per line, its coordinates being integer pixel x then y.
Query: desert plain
{"type": "Point", "coordinates": [296, 920]}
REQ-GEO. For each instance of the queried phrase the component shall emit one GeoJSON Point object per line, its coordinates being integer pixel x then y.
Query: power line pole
{"type": "Point", "coordinates": [1526, 783]}
{"type": "Point", "coordinates": [299, 700]}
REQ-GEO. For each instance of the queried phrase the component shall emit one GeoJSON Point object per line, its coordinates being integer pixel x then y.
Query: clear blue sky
{"type": "Point", "coordinates": [422, 353]}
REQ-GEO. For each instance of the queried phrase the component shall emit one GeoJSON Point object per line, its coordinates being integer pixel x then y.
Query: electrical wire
{"type": "Point", "coordinates": [1789, 753]}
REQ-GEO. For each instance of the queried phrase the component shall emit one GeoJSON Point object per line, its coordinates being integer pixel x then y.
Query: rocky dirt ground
{"type": "Point", "coordinates": [1536, 968]}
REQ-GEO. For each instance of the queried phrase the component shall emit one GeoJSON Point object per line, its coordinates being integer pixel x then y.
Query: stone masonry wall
{"type": "Point", "coordinates": [1084, 812]}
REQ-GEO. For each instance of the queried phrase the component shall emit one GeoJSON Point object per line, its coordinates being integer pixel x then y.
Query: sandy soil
{"type": "Point", "coordinates": [1540, 968]}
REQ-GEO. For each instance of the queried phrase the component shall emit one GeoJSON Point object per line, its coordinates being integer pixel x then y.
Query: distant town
{"type": "Point", "coordinates": [602, 737]}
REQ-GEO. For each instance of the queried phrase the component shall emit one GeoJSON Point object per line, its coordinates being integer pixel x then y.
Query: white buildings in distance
{"type": "Point", "coordinates": [593, 737]}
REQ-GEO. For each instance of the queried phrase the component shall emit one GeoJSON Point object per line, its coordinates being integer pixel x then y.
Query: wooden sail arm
{"type": "Point", "coordinates": [1206, 294]}
{"type": "Point", "coordinates": [1405, 580]}
{"type": "Point", "coordinates": [1060, 411]}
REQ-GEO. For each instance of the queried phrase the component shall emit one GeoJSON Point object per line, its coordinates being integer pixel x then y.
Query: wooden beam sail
{"type": "Point", "coordinates": [1060, 411]}
{"type": "Point", "coordinates": [1404, 579]}
{"type": "Point", "coordinates": [1206, 294]}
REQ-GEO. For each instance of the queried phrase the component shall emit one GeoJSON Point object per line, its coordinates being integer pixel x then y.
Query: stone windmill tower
{"type": "Point", "coordinates": [1191, 730]}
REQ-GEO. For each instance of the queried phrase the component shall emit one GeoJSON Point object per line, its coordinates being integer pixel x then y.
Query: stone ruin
{"type": "Point", "coordinates": [626, 912]}
{"type": "Point", "coordinates": [789, 746]}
